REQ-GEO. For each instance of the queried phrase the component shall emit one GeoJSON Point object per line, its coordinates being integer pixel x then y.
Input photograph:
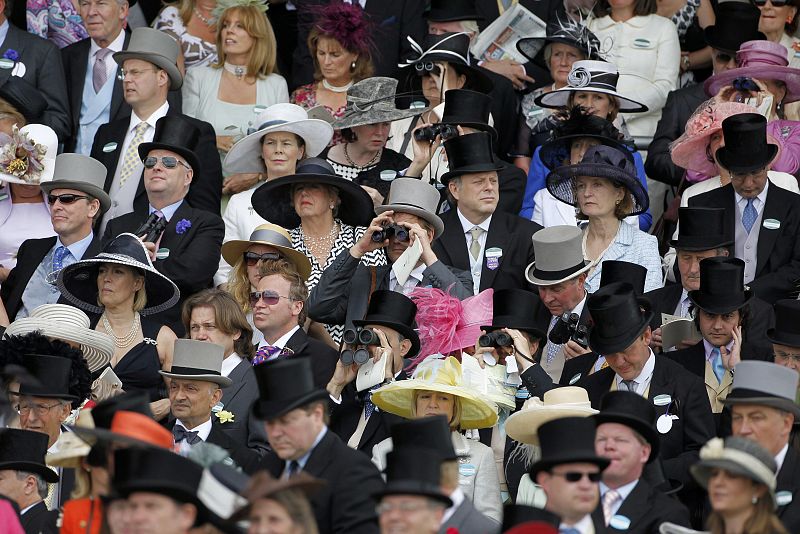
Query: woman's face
{"type": "Point", "coordinates": [562, 56]}
{"type": "Point", "coordinates": [731, 493]}
{"type": "Point", "coordinates": [579, 147]}
{"type": "Point", "coordinates": [27, 191]}
{"type": "Point", "coordinates": [435, 403]}
{"type": "Point", "coordinates": [313, 200]}
{"type": "Point", "coordinates": [270, 517]}
{"type": "Point", "coordinates": [117, 284]}
{"type": "Point", "coordinates": [442, 78]}
{"type": "Point", "coordinates": [252, 270]}
{"type": "Point", "coordinates": [774, 18]}
{"type": "Point", "coordinates": [372, 137]}
{"type": "Point", "coordinates": [281, 152]}
{"type": "Point", "coordinates": [334, 61]}
{"type": "Point", "coordinates": [621, 4]}
{"type": "Point", "coordinates": [235, 39]}
{"type": "Point", "coordinates": [597, 104]}
{"type": "Point", "coordinates": [597, 197]}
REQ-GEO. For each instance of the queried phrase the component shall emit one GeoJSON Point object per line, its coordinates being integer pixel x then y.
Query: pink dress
{"type": "Point", "coordinates": [305, 96]}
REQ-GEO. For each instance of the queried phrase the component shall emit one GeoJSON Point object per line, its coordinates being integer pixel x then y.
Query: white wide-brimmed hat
{"type": "Point", "coordinates": [559, 256]}
{"type": "Point", "coordinates": [245, 155]}
{"type": "Point", "coordinates": [569, 401]}
{"type": "Point", "coordinates": [40, 145]}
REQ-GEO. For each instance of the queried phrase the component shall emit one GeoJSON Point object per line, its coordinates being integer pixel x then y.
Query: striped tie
{"type": "Point", "coordinates": [131, 161]}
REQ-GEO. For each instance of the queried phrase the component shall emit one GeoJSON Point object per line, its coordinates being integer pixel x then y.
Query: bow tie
{"type": "Point", "coordinates": [268, 352]}
{"type": "Point", "coordinates": [180, 434]}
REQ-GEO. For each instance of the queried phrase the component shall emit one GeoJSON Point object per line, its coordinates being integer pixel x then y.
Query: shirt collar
{"type": "Point", "coordinates": [708, 347]}
{"type": "Point", "coordinates": [203, 429]}
{"type": "Point", "coordinates": [606, 22]}
{"type": "Point", "coordinates": [230, 363]}
{"type": "Point", "coordinates": [167, 211]}
{"type": "Point", "coordinates": [416, 273]}
{"type": "Point", "coordinates": [579, 306]}
{"type": "Point", "coordinates": [283, 340]}
{"type": "Point", "coordinates": [151, 120]}
{"type": "Point", "coordinates": [467, 226]}
{"type": "Point", "coordinates": [762, 197]}
{"type": "Point", "coordinates": [781, 457]}
{"type": "Point", "coordinates": [4, 31]}
{"type": "Point", "coordinates": [623, 491]}
{"type": "Point", "coordinates": [115, 46]}
{"type": "Point", "coordinates": [78, 248]}
{"type": "Point", "coordinates": [303, 460]}
{"type": "Point", "coordinates": [584, 525]}
{"type": "Point", "coordinates": [457, 497]}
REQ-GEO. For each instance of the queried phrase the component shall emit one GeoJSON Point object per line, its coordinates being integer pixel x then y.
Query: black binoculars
{"type": "Point", "coordinates": [495, 339]}
{"type": "Point", "coordinates": [429, 133]}
{"type": "Point", "coordinates": [359, 338]}
{"type": "Point", "coordinates": [395, 230]}
{"type": "Point", "coordinates": [152, 228]}
{"type": "Point", "coordinates": [567, 327]}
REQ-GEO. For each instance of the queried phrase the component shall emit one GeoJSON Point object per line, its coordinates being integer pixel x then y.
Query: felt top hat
{"type": "Point", "coordinates": [273, 236]}
{"type": "Point", "coordinates": [198, 360]}
{"type": "Point", "coordinates": [463, 107]}
{"type": "Point", "coordinates": [82, 173]}
{"type": "Point", "coordinates": [24, 450]}
{"type": "Point", "coordinates": [414, 472]}
{"type": "Point", "coordinates": [429, 433]}
{"type": "Point", "coordinates": [701, 229]}
{"type": "Point", "coordinates": [133, 401]}
{"type": "Point", "coordinates": [737, 23]}
{"type": "Point", "coordinates": [516, 309]}
{"type": "Point", "coordinates": [156, 470]}
{"type": "Point", "coordinates": [469, 153]}
{"type": "Point", "coordinates": [722, 288]}
{"type": "Point", "coordinates": [25, 98]}
{"type": "Point", "coordinates": [617, 317]}
{"type": "Point", "coordinates": [53, 375]}
{"type": "Point", "coordinates": [452, 48]}
{"type": "Point", "coordinates": [746, 148]}
{"type": "Point", "coordinates": [452, 11]}
{"type": "Point", "coordinates": [372, 101]}
{"type": "Point", "coordinates": [559, 253]}
{"type": "Point", "coordinates": [283, 385]}
{"type": "Point", "coordinates": [564, 30]}
{"type": "Point", "coordinates": [176, 134]}
{"type": "Point", "coordinates": [787, 323]}
{"type": "Point", "coordinates": [156, 47]}
{"type": "Point", "coordinates": [633, 411]}
{"type": "Point", "coordinates": [393, 310]}
{"type": "Point", "coordinates": [567, 440]}
{"type": "Point", "coordinates": [414, 196]}
{"type": "Point", "coordinates": [624, 271]}
{"type": "Point", "coordinates": [579, 125]}
{"type": "Point", "coordinates": [520, 516]}
{"type": "Point", "coordinates": [766, 384]}
{"type": "Point", "coordinates": [592, 76]}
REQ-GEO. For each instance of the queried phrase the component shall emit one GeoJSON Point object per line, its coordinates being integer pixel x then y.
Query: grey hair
{"type": "Point", "coordinates": [41, 484]}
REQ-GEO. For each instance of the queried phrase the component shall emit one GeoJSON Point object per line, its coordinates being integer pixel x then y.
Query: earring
{"type": "Point", "coordinates": [617, 202]}
{"type": "Point", "coordinates": [789, 19]}
{"type": "Point", "coordinates": [754, 500]}
{"type": "Point", "coordinates": [353, 66]}
{"type": "Point", "coordinates": [779, 108]}
{"type": "Point", "coordinates": [331, 206]}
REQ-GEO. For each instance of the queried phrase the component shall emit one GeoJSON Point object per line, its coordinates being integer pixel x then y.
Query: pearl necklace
{"type": "Point", "coordinates": [356, 165]}
{"type": "Point", "coordinates": [237, 70]}
{"type": "Point", "coordinates": [320, 246]}
{"type": "Point", "coordinates": [122, 341]}
{"type": "Point", "coordinates": [200, 16]}
{"type": "Point", "coordinates": [336, 88]}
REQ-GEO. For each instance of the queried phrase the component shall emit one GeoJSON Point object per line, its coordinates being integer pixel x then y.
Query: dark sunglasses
{"type": "Point", "coordinates": [723, 57]}
{"type": "Point", "coordinates": [252, 259]}
{"type": "Point", "coordinates": [269, 297]}
{"type": "Point", "coordinates": [66, 198]}
{"type": "Point", "coordinates": [169, 162]}
{"type": "Point", "coordinates": [776, 3]}
{"type": "Point", "coordinates": [425, 68]}
{"type": "Point", "coordinates": [576, 476]}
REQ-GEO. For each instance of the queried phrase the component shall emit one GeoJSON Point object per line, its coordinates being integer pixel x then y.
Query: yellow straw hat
{"type": "Point", "coordinates": [570, 401]}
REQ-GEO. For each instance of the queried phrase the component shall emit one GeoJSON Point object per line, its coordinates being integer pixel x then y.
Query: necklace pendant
{"type": "Point", "coordinates": [239, 71]}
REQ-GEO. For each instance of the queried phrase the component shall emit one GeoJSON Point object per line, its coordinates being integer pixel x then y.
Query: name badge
{"type": "Point", "coordinates": [662, 400]}
{"type": "Point", "coordinates": [217, 407]}
{"type": "Point", "coordinates": [162, 254]}
{"type": "Point", "coordinates": [641, 43]}
{"type": "Point", "coordinates": [664, 423]}
{"type": "Point", "coordinates": [109, 147]}
{"type": "Point", "coordinates": [771, 224]}
{"type": "Point", "coordinates": [6, 63]}
{"type": "Point", "coordinates": [19, 69]}
{"type": "Point", "coordinates": [620, 522]}
{"type": "Point", "coordinates": [466, 470]}
{"type": "Point", "coordinates": [574, 379]}
{"type": "Point", "coordinates": [782, 498]}
{"type": "Point", "coordinates": [3, 196]}
{"type": "Point", "coordinates": [493, 256]}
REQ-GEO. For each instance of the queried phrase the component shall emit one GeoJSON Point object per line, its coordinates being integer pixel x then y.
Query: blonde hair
{"type": "Point", "coordinates": [139, 297]}
{"type": "Point", "coordinates": [7, 111]}
{"type": "Point", "coordinates": [263, 55]}
{"type": "Point", "coordinates": [761, 521]}
{"type": "Point", "coordinates": [455, 421]}
{"type": "Point", "coordinates": [239, 284]}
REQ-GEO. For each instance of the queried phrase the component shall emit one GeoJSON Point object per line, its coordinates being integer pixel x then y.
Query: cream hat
{"type": "Point", "coordinates": [569, 401]}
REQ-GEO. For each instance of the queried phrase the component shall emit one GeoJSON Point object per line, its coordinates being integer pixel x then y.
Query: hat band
{"type": "Point", "coordinates": [715, 450]}
{"type": "Point", "coordinates": [271, 236]}
{"type": "Point", "coordinates": [178, 370]}
{"type": "Point", "coordinates": [558, 275]}
{"type": "Point", "coordinates": [313, 168]}
{"type": "Point", "coordinates": [408, 204]}
{"type": "Point", "coordinates": [272, 123]}
{"type": "Point", "coordinates": [746, 393]}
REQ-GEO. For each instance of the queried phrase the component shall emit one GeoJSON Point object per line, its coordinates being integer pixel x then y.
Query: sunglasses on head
{"type": "Point", "coordinates": [425, 68]}
{"type": "Point", "coordinates": [269, 297]}
{"type": "Point", "coordinates": [576, 476]}
{"type": "Point", "coordinates": [252, 258]}
{"type": "Point", "coordinates": [169, 162]}
{"type": "Point", "coordinates": [776, 3]}
{"type": "Point", "coordinates": [66, 198]}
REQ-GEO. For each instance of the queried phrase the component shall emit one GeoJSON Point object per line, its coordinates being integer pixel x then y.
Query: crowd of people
{"type": "Point", "coordinates": [325, 266]}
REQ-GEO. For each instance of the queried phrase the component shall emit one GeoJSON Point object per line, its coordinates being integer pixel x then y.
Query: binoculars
{"type": "Point", "coordinates": [567, 328]}
{"type": "Point", "coordinates": [152, 228]}
{"type": "Point", "coordinates": [395, 230]}
{"type": "Point", "coordinates": [360, 339]}
{"type": "Point", "coordinates": [495, 339]}
{"type": "Point", "coordinates": [429, 133]}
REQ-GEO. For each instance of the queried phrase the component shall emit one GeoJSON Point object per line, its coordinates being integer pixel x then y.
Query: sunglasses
{"type": "Point", "coordinates": [66, 198]}
{"type": "Point", "coordinates": [776, 3]}
{"type": "Point", "coordinates": [576, 476]}
{"type": "Point", "coordinates": [252, 259]}
{"type": "Point", "coordinates": [723, 57]}
{"type": "Point", "coordinates": [425, 68]}
{"type": "Point", "coordinates": [269, 297]}
{"type": "Point", "coordinates": [169, 162]}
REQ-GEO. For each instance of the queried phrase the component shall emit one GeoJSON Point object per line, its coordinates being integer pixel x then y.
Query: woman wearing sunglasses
{"type": "Point", "coordinates": [778, 22]}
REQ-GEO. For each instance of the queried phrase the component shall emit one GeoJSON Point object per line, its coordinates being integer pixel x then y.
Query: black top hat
{"type": "Point", "coordinates": [468, 108]}
{"type": "Point", "coordinates": [52, 373]}
{"type": "Point", "coordinates": [517, 309]}
{"type": "Point", "coordinates": [519, 514]}
{"type": "Point", "coordinates": [430, 433]}
{"type": "Point", "coordinates": [134, 401]}
{"type": "Point", "coordinates": [25, 98]}
{"type": "Point", "coordinates": [396, 311]}
{"type": "Point", "coordinates": [624, 271]}
{"type": "Point", "coordinates": [746, 148]}
{"type": "Point", "coordinates": [577, 125]}
{"type": "Point", "coordinates": [617, 317]}
{"type": "Point", "coordinates": [737, 22]}
{"type": "Point", "coordinates": [454, 49]}
{"type": "Point", "coordinates": [284, 385]}
{"type": "Point", "coordinates": [469, 153]}
{"type": "Point", "coordinates": [722, 288]}
{"type": "Point", "coordinates": [273, 200]}
{"type": "Point", "coordinates": [633, 411]}
{"type": "Point", "coordinates": [156, 470]}
{"type": "Point", "coordinates": [452, 11]}
{"type": "Point", "coordinates": [563, 30]}
{"type": "Point", "coordinates": [24, 450]}
{"type": "Point", "coordinates": [701, 228]}
{"type": "Point", "coordinates": [414, 472]}
{"type": "Point", "coordinates": [176, 134]}
{"type": "Point", "coordinates": [567, 440]}
{"type": "Point", "coordinates": [787, 323]}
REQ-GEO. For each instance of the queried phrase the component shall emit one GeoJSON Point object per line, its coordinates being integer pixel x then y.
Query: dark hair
{"type": "Point", "coordinates": [349, 135]}
{"type": "Point", "coordinates": [363, 68]}
{"type": "Point", "coordinates": [228, 317]}
{"type": "Point", "coordinates": [640, 9]}
{"type": "Point", "coordinates": [744, 314]}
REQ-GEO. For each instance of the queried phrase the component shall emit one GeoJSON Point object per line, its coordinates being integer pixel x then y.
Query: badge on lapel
{"type": "Point", "coordinates": [771, 224]}
{"type": "Point", "coordinates": [109, 147]}
{"type": "Point", "coordinates": [162, 254]}
{"type": "Point", "coordinates": [493, 256]}
{"type": "Point", "coordinates": [620, 522]}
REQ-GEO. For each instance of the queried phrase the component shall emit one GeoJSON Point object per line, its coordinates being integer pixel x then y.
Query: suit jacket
{"type": "Point", "coordinates": [43, 70]}
{"type": "Point", "coordinates": [789, 481]}
{"type": "Point", "coordinates": [323, 357]}
{"type": "Point", "coordinates": [467, 520]}
{"type": "Point", "coordinates": [778, 252]}
{"type": "Point", "coordinates": [193, 256]}
{"type": "Point", "coordinates": [510, 233]}
{"type": "Point", "coordinates": [248, 460]}
{"type": "Point", "coordinates": [512, 181]}
{"type": "Point", "coordinates": [646, 508]}
{"type": "Point", "coordinates": [237, 399]}
{"type": "Point", "coordinates": [30, 254]}
{"type": "Point", "coordinates": [504, 110]}
{"type": "Point", "coordinates": [205, 192]}
{"type": "Point", "coordinates": [39, 520]}
{"type": "Point", "coordinates": [346, 504]}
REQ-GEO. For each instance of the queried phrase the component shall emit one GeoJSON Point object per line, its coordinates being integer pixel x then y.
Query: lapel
{"type": "Point", "coordinates": [116, 94]}
{"type": "Point", "coordinates": [116, 134]}
{"type": "Point", "coordinates": [788, 476]}
{"type": "Point", "coordinates": [29, 518]}
{"type": "Point", "coordinates": [636, 506]}
{"type": "Point", "coordinates": [382, 277]}
{"type": "Point", "coordinates": [728, 203]}
{"type": "Point", "coordinates": [12, 42]}
{"type": "Point", "coordinates": [460, 515]}
{"type": "Point", "coordinates": [298, 342]}
{"type": "Point", "coordinates": [171, 239]}
{"type": "Point", "coordinates": [498, 237]}
{"type": "Point", "coordinates": [77, 71]}
{"type": "Point", "coordinates": [454, 242]}
{"type": "Point", "coordinates": [322, 455]}
{"type": "Point", "coordinates": [237, 376]}
{"type": "Point", "coordinates": [694, 360]}
{"type": "Point", "coordinates": [774, 208]}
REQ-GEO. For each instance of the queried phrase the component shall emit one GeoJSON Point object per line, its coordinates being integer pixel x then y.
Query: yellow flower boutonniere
{"type": "Point", "coordinates": [224, 417]}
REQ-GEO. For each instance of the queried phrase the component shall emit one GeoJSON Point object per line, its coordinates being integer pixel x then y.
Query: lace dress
{"type": "Point", "coordinates": [305, 96]}
{"type": "Point", "coordinates": [195, 50]}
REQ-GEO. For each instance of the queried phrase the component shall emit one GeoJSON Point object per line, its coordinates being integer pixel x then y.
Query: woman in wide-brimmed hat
{"type": "Point", "coordinates": [604, 189]}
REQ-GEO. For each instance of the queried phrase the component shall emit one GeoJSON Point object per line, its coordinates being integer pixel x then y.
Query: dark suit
{"type": "Point", "coordinates": [237, 399]}
{"type": "Point", "coordinates": [205, 192]}
{"type": "Point", "coordinates": [778, 253]}
{"type": "Point", "coordinates": [512, 182]}
{"type": "Point", "coordinates": [323, 357]}
{"type": "Point", "coordinates": [789, 481]}
{"type": "Point", "coordinates": [193, 256]}
{"type": "Point", "coordinates": [646, 508]}
{"type": "Point", "coordinates": [467, 520]}
{"type": "Point", "coordinates": [39, 520]}
{"type": "Point", "coordinates": [504, 110]}
{"type": "Point", "coordinates": [346, 505]}
{"type": "Point", "coordinates": [248, 460]}
{"type": "Point", "coordinates": [510, 233]}
{"type": "Point", "coordinates": [29, 256]}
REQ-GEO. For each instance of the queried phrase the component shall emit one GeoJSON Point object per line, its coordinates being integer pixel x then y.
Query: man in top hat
{"type": "Point", "coordinates": [149, 67]}
{"type": "Point", "coordinates": [493, 246]}
{"type": "Point", "coordinates": [626, 436]}
{"type": "Point", "coordinates": [194, 392]}
{"type": "Point", "coordinates": [214, 316]}
{"type": "Point", "coordinates": [763, 408]}
{"type": "Point", "coordinates": [77, 200]}
{"type": "Point", "coordinates": [353, 416]}
{"type": "Point", "coordinates": [701, 235]}
{"type": "Point", "coordinates": [24, 478]}
{"type": "Point", "coordinates": [763, 222]}
{"type": "Point", "coordinates": [785, 335]}
{"type": "Point", "coordinates": [295, 411]}
{"type": "Point", "coordinates": [188, 249]}
{"type": "Point", "coordinates": [344, 289]}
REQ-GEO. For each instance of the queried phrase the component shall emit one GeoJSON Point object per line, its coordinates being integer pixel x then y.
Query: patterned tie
{"type": "Point", "coordinates": [609, 499]}
{"type": "Point", "coordinates": [716, 364]}
{"type": "Point", "coordinates": [180, 434]}
{"type": "Point", "coordinates": [366, 397]}
{"type": "Point", "coordinates": [629, 385]}
{"type": "Point", "coordinates": [58, 257]}
{"type": "Point", "coordinates": [99, 71]}
{"type": "Point", "coordinates": [51, 502]}
{"type": "Point", "coordinates": [475, 244]}
{"type": "Point", "coordinates": [265, 353]}
{"type": "Point", "coordinates": [749, 215]}
{"type": "Point", "coordinates": [552, 348]}
{"type": "Point", "coordinates": [131, 160]}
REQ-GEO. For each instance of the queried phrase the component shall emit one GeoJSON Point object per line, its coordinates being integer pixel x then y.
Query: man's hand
{"type": "Point", "coordinates": [343, 375]}
{"type": "Point", "coordinates": [151, 248]}
{"type": "Point", "coordinates": [655, 340]}
{"type": "Point", "coordinates": [366, 245]}
{"type": "Point", "coordinates": [378, 352]}
{"type": "Point", "coordinates": [732, 358]}
{"type": "Point", "coordinates": [510, 69]}
{"type": "Point", "coordinates": [573, 349]}
{"type": "Point", "coordinates": [224, 143]}
{"type": "Point", "coordinates": [423, 152]}
{"type": "Point", "coordinates": [374, 194]}
{"type": "Point", "coordinates": [415, 231]}
{"type": "Point", "coordinates": [236, 183]}
{"type": "Point", "coordinates": [4, 272]}
{"type": "Point", "coordinates": [522, 350]}
{"type": "Point", "coordinates": [160, 409]}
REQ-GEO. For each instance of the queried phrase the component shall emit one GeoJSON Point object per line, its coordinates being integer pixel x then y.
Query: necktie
{"type": "Point", "coordinates": [716, 364]}
{"type": "Point", "coordinates": [552, 348]}
{"type": "Point", "coordinates": [58, 257]}
{"type": "Point", "coordinates": [475, 244]}
{"type": "Point", "coordinates": [265, 353]}
{"type": "Point", "coordinates": [51, 501]}
{"type": "Point", "coordinates": [568, 530]}
{"type": "Point", "coordinates": [158, 239]}
{"type": "Point", "coordinates": [609, 499]}
{"type": "Point", "coordinates": [99, 71]}
{"type": "Point", "coordinates": [180, 434]}
{"type": "Point", "coordinates": [685, 306]}
{"type": "Point", "coordinates": [292, 469]}
{"type": "Point", "coordinates": [749, 215]}
{"type": "Point", "coordinates": [131, 160]}
{"type": "Point", "coordinates": [366, 398]}
{"type": "Point", "coordinates": [629, 385]}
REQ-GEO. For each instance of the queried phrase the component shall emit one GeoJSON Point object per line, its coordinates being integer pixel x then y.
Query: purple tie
{"type": "Point", "coordinates": [99, 72]}
{"type": "Point", "coordinates": [265, 353]}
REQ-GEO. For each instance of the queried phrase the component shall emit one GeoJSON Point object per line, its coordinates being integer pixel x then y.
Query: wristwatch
{"type": "Point", "coordinates": [686, 63]}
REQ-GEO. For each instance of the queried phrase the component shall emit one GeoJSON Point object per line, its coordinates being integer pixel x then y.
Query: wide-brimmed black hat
{"type": "Point", "coordinates": [516, 515]}
{"type": "Point", "coordinates": [567, 440]}
{"type": "Point", "coordinates": [52, 374]}
{"type": "Point", "coordinates": [413, 471]}
{"type": "Point", "coordinates": [562, 30]}
{"type": "Point", "coordinates": [463, 107]}
{"type": "Point", "coordinates": [746, 148]}
{"type": "Point", "coordinates": [176, 134]}
{"type": "Point", "coordinates": [452, 48]}
{"type": "Point", "coordinates": [156, 470]}
{"type": "Point", "coordinates": [273, 200]}
{"type": "Point", "coordinates": [25, 98]}
{"type": "Point", "coordinates": [469, 153]}
{"type": "Point", "coordinates": [624, 271]}
{"type": "Point", "coordinates": [787, 323]}
{"type": "Point", "coordinates": [578, 125]}
{"type": "Point", "coordinates": [516, 309]}
{"type": "Point", "coordinates": [722, 288]}
{"type": "Point", "coordinates": [633, 411]}
{"type": "Point", "coordinates": [736, 23]}
{"type": "Point", "coordinates": [283, 385]}
{"type": "Point", "coordinates": [701, 229]}
{"type": "Point", "coordinates": [395, 310]}
{"type": "Point", "coordinates": [617, 317]}
{"type": "Point", "coordinates": [24, 450]}
{"type": "Point", "coordinates": [429, 433]}
{"type": "Point", "coordinates": [452, 11]}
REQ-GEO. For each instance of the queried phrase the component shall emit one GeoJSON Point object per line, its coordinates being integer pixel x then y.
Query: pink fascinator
{"type": "Point", "coordinates": [346, 23]}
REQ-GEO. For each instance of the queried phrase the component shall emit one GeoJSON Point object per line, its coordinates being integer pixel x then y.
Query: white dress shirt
{"type": "Point", "coordinates": [584, 526]}
{"type": "Point", "coordinates": [623, 492]}
{"type": "Point", "coordinates": [230, 363]}
{"type": "Point", "coordinates": [642, 382]}
{"type": "Point", "coordinates": [282, 341]}
{"type": "Point", "coordinates": [475, 266]}
{"type": "Point", "coordinates": [203, 430]}
{"type": "Point", "coordinates": [414, 279]}
{"type": "Point", "coordinates": [780, 457]}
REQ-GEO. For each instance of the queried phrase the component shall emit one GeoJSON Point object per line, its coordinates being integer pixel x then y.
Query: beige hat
{"type": "Point", "coordinates": [39, 162]}
{"type": "Point", "coordinates": [156, 47]}
{"type": "Point", "coordinates": [273, 236]}
{"type": "Point", "coordinates": [198, 360]}
{"type": "Point", "coordinates": [569, 401]}
{"type": "Point", "coordinates": [559, 256]}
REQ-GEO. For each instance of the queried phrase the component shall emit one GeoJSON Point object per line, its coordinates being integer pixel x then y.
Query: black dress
{"type": "Point", "coordinates": [371, 176]}
{"type": "Point", "coordinates": [138, 369]}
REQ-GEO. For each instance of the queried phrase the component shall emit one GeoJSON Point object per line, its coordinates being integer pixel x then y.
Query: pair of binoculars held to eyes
{"type": "Point", "coordinates": [359, 339]}
{"type": "Point", "coordinates": [393, 230]}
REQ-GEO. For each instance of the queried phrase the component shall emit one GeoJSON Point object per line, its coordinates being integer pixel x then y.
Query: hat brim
{"type": "Point", "coordinates": [431, 218]}
{"type": "Point", "coordinates": [549, 278]}
{"type": "Point", "coordinates": [552, 150]}
{"type": "Point", "coordinates": [728, 158]}
{"type": "Point", "coordinates": [700, 242]}
{"type": "Point", "coordinates": [620, 342]}
{"type": "Point", "coordinates": [561, 183]}
{"type": "Point", "coordinates": [221, 381]}
{"type": "Point", "coordinates": [702, 470]}
{"type": "Point", "coordinates": [97, 348]}
{"type": "Point", "coordinates": [413, 487]}
{"type": "Point", "coordinates": [715, 40]}
{"type": "Point", "coordinates": [523, 426]}
{"type": "Point", "coordinates": [93, 436]}
{"type": "Point", "coordinates": [741, 396]}
{"type": "Point", "coordinates": [89, 189]}
{"type": "Point", "coordinates": [232, 251]}
{"type": "Point", "coordinates": [547, 464]}
{"type": "Point", "coordinates": [162, 62]}
{"type": "Point", "coordinates": [351, 118]}
{"type": "Point", "coordinates": [265, 410]}
{"type": "Point", "coordinates": [781, 338]}
{"type": "Point", "coordinates": [477, 167]}
{"type": "Point", "coordinates": [643, 428]}
{"type": "Point", "coordinates": [480, 126]}
{"type": "Point", "coordinates": [190, 157]}
{"type": "Point", "coordinates": [511, 322]}
{"type": "Point", "coordinates": [402, 329]}
{"type": "Point", "coordinates": [721, 304]}
{"type": "Point", "coordinates": [788, 75]}
{"type": "Point", "coordinates": [559, 98]}
{"type": "Point", "coordinates": [42, 470]}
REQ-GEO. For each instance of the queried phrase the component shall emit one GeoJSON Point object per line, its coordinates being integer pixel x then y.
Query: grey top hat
{"type": "Point", "coordinates": [156, 47]}
{"type": "Point", "coordinates": [198, 360]}
{"type": "Point", "coordinates": [765, 383]}
{"type": "Point", "coordinates": [411, 195]}
{"type": "Point", "coordinates": [83, 173]}
{"type": "Point", "coordinates": [559, 256]}
{"type": "Point", "coordinates": [371, 101]}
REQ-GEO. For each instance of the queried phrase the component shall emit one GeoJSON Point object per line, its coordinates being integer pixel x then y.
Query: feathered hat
{"type": "Point", "coordinates": [346, 23]}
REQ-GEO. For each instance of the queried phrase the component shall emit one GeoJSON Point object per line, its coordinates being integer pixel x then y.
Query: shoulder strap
{"type": "Point", "coordinates": [407, 135]}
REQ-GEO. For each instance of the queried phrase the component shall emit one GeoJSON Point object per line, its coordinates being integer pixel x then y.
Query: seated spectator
{"type": "Point", "coordinates": [691, 18]}
{"type": "Point", "coordinates": [784, 345]}
{"type": "Point", "coordinates": [193, 25]}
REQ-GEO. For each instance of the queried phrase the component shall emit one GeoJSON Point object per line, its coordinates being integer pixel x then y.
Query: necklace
{"type": "Point", "coordinates": [237, 70]}
{"type": "Point", "coordinates": [122, 341]}
{"type": "Point", "coordinates": [321, 246]}
{"type": "Point", "coordinates": [367, 164]}
{"type": "Point", "coordinates": [200, 16]}
{"type": "Point", "coordinates": [336, 88]}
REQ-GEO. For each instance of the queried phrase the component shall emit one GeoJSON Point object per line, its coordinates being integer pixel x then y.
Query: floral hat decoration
{"type": "Point", "coordinates": [28, 155]}
{"type": "Point", "coordinates": [347, 23]}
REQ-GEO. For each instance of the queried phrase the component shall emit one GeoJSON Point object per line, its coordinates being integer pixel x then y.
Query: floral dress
{"type": "Point", "coordinates": [55, 20]}
{"type": "Point", "coordinates": [195, 50]}
{"type": "Point", "coordinates": [305, 96]}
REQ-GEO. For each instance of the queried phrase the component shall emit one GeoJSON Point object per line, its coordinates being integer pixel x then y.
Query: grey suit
{"type": "Point", "coordinates": [237, 399]}
{"type": "Point", "coordinates": [467, 520]}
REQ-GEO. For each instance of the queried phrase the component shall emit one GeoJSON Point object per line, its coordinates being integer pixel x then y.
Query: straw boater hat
{"type": "Point", "coordinates": [24, 450]}
{"type": "Point", "coordinates": [82, 173]}
{"type": "Point", "coordinates": [559, 256]}
{"type": "Point", "coordinates": [245, 156]}
{"type": "Point", "coordinates": [739, 456]}
{"type": "Point", "coordinates": [442, 375]}
{"type": "Point", "coordinates": [78, 282]}
{"type": "Point", "coordinates": [67, 323]}
{"type": "Point", "coordinates": [592, 76]}
{"type": "Point", "coordinates": [414, 196]}
{"type": "Point", "coordinates": [765, 384]}
{"type": "Point", "coordinates": [569, 401]}
{"type": "Point", "coordinates": [40, 144]}
{"type": "Point", "coordinates": [198, 360]}
{"type": "Point", "coordinates": [371, 101]}
{"type": "Point", "coordinates": [273, 236]}
{"type": "Point", "coordinates": [156, 47]}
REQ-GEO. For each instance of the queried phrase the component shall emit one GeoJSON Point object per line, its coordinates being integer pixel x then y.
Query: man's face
{"type": "Point", "coordinates": [151, 513]}
{"type": "Point", "coordinates": [409, 514]}
{"type": "Point", "coordinates": [43, 415]}
{"type": "Point", "coordinates": [70, 218]}
{"type": "Point", "coordinates": [689, 266]}
{"type": "Point", "coordinates": [769, 427]}
{"type": "Point", "coordinates": [477, 193]}
{"type": "Point", "coordinates": [570, 500]}
{"type": "Point", "coordinates": [717, 328]}
{"type": "Point", "coordinates": [563, 297]}
{"type": "Point", "coordinates": [629, 363]}
{"type": "Point", "coordinates": [12, 487]}
{"type": "Point", "coordinates": [142, 81]}
{"type": "Point", "coordinates": [396, 247]}
{"type": "Point", "coordinates": [103, 19]}
{"type": "Point", "coordinates": [191, 400]}
{"type": "Point", "coordinates": [627, 453]}
{"type": "Point", "coordinates": [203, 327]}
{"type": "Point", "coordinates": [169, 184]}
{"type": "Point", "coordinates": [749, 184]}
{"type": "Point", "coordinates": [787, 356]}
{"type": "Point", "coordinates": [399, 348]}
{"type": "Point", "coordinates": [278, 317]}
{"type": "Point", "coordinates": [292, 434]}
{"type": "Point", "coordinates": [722, 60]}
{"type": "Point", "coordinates": [438, 28]}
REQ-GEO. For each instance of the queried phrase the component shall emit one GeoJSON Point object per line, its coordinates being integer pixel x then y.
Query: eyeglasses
{"type": "Point", "coordinates": [66, 198]}
{"type": "Point", "coordinates": [577, 476]}
{"type": "Point", "coordinates": [794, 358]}
{"type": "Point", "coordinates": [169, 162]}
{"type": "Point", "coordinates": [40, 409]}
{"type": "Point", "coordinates": [269, 297]}
{"type": "Point", "coordinates": [425, 68]}
{"type": "Point", "coordinates": [775, 3]}
{"type": "Point", "coordinates": [252, 258]}
{"type": "Point", "coordinates": [133, 73]}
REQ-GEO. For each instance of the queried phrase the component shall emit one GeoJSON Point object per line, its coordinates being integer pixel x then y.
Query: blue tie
{"type": "Point", "coordinates": [58, 257]}
{"type": "Point", "coordinates": [716, 364]}
{"type": "Point", "coordinates": [749, 215]}
{"type": "Point", "coordinates": [568, 530]}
